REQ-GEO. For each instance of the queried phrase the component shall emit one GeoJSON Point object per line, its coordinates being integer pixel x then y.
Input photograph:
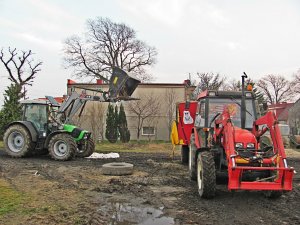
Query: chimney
{"type": "Point", "coordinates": [187, 82]}
{"type": "Point", "coordinates": [99, 81]}
{"type": "Point", "coordinates": [71, 81]}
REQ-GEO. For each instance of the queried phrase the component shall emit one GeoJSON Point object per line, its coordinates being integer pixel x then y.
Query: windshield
{"type": "Point", "coordinates": [234, 107]}
{"type": "Point", "coordinates": [37, 114]}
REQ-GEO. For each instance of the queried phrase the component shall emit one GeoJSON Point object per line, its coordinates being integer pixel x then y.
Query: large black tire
{"type": "Point", "coordinates": [86, 149]}
{"type": "Point", "coordinates": [117, 169]}
{"type": "Point", "coordinates": [185, 154]}
{"type": "Point", "coordinates": [192, 159]}
{"type": "Point", "coordinates": [206, 175]}
{"type": "Point", "coordinates": [17, 141]}
{"type": "Point", "coordinates": [62, 147]}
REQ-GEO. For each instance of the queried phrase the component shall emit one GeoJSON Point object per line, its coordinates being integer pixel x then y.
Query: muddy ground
{"type": "Point", "coordinates": [158, 192]}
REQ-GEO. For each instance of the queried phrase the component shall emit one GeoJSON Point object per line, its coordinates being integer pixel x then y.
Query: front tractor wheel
{"type": "Point", "coordinates": [206, 175]}
{"type": "Point", "coordinates": [62, 147]}
{"type": "Point", "coordinates": [17, 141]}
{"type": "Point", "coordinates": [86, 149]}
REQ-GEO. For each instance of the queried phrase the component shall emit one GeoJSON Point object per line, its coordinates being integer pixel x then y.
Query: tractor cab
{"type": "Point", "coordinates": [36, 112]}
{"type": "Point", "coordinates": [202, 113]}
{"type": "Point", "coordinates": [211, 107]}
{"type": "Point", "coordinates": [213, 103]}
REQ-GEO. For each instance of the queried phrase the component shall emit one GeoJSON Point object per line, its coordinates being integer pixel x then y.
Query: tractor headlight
{"type": "Point", "coordinates": [239, 145]}
{"type": "Point", "coordinates": [250, 145]}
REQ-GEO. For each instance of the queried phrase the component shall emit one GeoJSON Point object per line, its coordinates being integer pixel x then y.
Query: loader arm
{"type": "Point", "coordinates": [272, 125]}
{"type": "Point", "coordinates": [121, 87]}
{"type": "Point", "coordinates": [76, 102]}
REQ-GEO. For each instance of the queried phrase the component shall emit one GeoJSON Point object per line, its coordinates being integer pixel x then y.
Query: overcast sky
{"type": "Point", "coordinates": [226, 37]}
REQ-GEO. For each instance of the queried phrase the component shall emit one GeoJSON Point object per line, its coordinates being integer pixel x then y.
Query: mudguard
{"type": "Point", "coordinates": [46, 143]}
{"type": "Point", "coordinates": [29, 127]}
{"type": "Point", "coordinates": [197, 139]}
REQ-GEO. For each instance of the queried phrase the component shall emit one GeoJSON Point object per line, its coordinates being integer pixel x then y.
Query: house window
{"type": "Point", "coordinates": [148, 131]}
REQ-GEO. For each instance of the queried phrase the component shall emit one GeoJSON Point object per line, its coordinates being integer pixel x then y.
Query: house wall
{"type": "Point", "coordinates": [294, 118]}
{"type": "Point", "coordinates": [164, 95]}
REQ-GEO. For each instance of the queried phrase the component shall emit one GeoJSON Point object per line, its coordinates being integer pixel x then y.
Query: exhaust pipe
{"type": "Point", "coordinates": [243, 103]}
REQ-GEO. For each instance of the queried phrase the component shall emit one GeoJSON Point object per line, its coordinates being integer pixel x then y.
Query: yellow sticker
{"type": "Point", "coordinates": [115, 80]}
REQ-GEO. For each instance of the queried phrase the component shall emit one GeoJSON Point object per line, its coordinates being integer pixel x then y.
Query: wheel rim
{"type": "Point", "coordinates": [199, 176]}
{"type": "Point", "coordinates": [60, 148]}
{"type": "Point", "coordinates": [16, 141]}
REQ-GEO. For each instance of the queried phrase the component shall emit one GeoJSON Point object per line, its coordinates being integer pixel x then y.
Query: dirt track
{"type": "Point", "coordinates": [159, 192]}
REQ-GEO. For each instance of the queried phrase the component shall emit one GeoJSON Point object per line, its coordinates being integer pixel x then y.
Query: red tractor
{"type": "Point", "coordinates": [220, 132]}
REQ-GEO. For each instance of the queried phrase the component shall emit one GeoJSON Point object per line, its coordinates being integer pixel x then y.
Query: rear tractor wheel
{"type": "Point", "coordinates": [17, 141]}
{"type": "Point", "coordinates": [192, 159]}
{"type": "Point", "coordinates": [62, 147]}
{"type": "Point", "coordinates": [86, 149]}
{"type": "Point", "coordinates": [206, 175]}
{"type": "Point", "coordinates": [185, 154]}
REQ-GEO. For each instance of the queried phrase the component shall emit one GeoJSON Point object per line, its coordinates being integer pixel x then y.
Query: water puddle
{"type": "Point", "coordinates": [125, 214]}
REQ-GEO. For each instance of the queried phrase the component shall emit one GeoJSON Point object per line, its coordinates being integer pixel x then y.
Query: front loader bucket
{"type": "Point", "coordinates": [121, 85]}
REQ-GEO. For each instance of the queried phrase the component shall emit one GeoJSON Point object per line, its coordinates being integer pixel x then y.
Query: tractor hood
{"type": "Point", "coordinates": [121, 85]}
{"type": "Point", "coordinates": [244, 136]}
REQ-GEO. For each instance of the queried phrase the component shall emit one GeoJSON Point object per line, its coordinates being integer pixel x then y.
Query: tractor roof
{"type": "Point", "coordinates": [36, 102]}
{"type": "Point", "coordinates": [224, 94]}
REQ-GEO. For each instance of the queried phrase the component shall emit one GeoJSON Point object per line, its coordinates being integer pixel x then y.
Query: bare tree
{"type": "Point", "coordinates": [96, 120]}
{"type": "Point", "coordinates": [233, 85]}
{"type": "Point", "coordinates": [20, 67]}
{"type": "Point", "coordinates": [107, 45]}
{"type": "Point", "coordinates": [276, 88]}
{"type": "Point", "coordinates": [236, 85]}
{"type": "Point", "coordinates": [148, 106]}
{"type": "Point", "coordinates": [208, 81]}
{"type": "Point", "coordinates": [297, 82]}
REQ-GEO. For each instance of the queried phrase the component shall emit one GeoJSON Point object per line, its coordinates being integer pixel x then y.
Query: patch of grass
{"type": "Point", "coordinates": [134, 146]}
{"type": "Point", "coordinates": [13, 202]}
{"type": "Point", "coordinates": [1, 144]}
{"type": "Point", "coordinates": [10, 199]}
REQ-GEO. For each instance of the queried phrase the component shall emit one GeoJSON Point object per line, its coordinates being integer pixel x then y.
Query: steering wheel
{"type": "Point", "coordinates": [213, 119]}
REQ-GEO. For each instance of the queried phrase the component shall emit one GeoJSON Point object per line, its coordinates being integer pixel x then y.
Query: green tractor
{"type": "Point", "coordinates": [46, 125]}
